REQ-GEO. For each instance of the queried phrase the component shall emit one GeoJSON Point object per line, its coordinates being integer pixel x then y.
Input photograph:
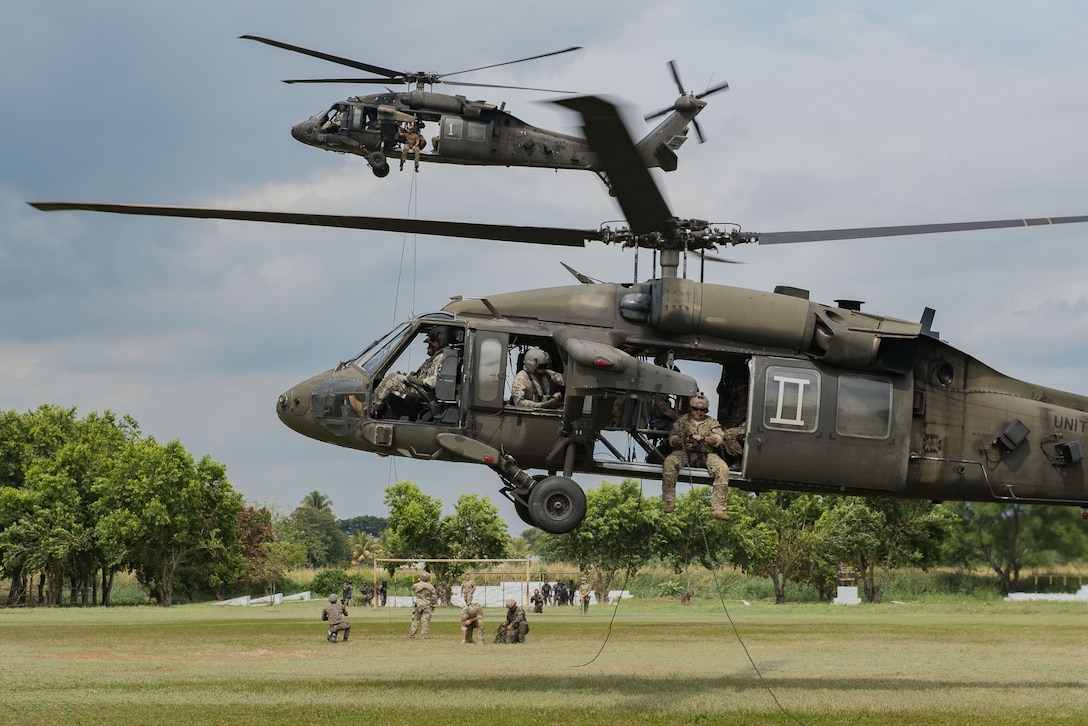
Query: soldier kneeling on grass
{"type": "Point", "coordinates": [517, 627]}
{"type": "Point", "coordinates": [334, 613]}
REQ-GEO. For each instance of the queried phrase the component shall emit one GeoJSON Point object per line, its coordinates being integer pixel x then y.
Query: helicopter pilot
{"type": "Point", "coordinates": [536, 385]}
{"type": "Point", "coordinates": [403, 385]}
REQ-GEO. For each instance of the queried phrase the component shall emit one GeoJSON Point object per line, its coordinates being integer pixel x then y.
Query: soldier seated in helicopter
{"type": "Point", "coordinates": [733, 410]}
{"type": "Point", "coordinates": [401, 394]}
{"type": "Point", "coordinates": [535, 385]}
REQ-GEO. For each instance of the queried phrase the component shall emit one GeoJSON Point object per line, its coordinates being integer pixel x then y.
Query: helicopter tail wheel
{"type": "Point", "coordinates": [376, 159]}
{"type": "Point", "coordinates": [557, 504]}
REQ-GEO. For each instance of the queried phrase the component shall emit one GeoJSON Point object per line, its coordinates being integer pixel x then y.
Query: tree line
{"type": "Point", "coordinates": [82, 499]}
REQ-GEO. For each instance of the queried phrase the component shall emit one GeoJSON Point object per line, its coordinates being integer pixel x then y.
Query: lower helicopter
{"type": "Point", "coordinates": [834, 399]}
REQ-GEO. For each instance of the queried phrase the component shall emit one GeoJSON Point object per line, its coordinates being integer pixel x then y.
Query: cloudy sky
{"type": "Point", "coordinates": [840, 114]}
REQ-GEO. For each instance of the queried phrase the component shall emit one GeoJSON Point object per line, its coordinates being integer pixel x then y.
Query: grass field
{"type": "Point", "coordinates": [929, 662]}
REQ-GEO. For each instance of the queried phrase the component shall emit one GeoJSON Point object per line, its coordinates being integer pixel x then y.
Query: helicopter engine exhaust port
{"type": "Point", "coordinates": [557, 504]}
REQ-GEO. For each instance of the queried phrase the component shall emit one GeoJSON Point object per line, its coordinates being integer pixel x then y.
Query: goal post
{"type": "Point", "coordinates": [380, 561]}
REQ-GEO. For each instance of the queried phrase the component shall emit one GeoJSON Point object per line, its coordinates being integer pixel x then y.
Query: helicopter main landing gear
{"type": "Point", "coordinates": [378, 164]}
{"type": "Point", "coordinates": [555, 504]}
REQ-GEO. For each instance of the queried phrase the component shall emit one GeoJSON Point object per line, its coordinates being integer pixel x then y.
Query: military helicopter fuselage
{"type": "Point", "coordinates": [839, 401]}
{"type": "Point", "coordinates": [456, 130]}
{"type": "Point", "coordinates": [467, 131]}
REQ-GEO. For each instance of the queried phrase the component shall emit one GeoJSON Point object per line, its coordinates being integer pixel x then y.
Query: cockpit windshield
{"type": "Point", "coordinates": [371, 358]}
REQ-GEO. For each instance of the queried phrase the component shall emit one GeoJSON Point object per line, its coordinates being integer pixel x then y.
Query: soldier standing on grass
{"type": "Point", "coordinates": [584, 594]}
{"type": "Point", "coordinates": [426, 601]}
{"type": "Point", "coordinates": [468, 587]}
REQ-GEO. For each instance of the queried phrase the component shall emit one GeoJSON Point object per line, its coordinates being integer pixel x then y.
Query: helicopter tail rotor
{"type": "Point", "coordinates": [688, 104]}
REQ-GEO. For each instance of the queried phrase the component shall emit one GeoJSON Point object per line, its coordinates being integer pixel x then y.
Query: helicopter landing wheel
{"type": "Point", "coordinates": [381, 171]}
{"type": "Point", "coordinates": [523, 512]}
{"type": "Point", "coordinates": [557, 504]}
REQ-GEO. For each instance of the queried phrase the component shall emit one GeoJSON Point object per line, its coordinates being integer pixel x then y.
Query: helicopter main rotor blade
{"type": "Point", "coordinates": [641, 201]}
{"type": "Point", "coordinates": [357, 65]}
{"type": "Point", "coordinates": [507, 63]}
{"type": "Point", "coordinates": [822, 235]}
{"type": "Point", "coordinates": [497, 232]}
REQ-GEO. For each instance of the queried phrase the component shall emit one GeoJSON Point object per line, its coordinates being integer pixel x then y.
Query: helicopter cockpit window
{"type": "Point", "coordinates": [791, 399]}
{"type": "Point", "coordinates": [371, 358]}
{"type": "Point", "coordinates": [864, 407]}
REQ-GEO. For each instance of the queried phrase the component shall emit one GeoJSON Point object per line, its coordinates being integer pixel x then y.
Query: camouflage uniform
{"type": "Point", "coordinates": [517, 627]}
{"type": "Point", "coordinates": [411, 140]}
{"type": "Point", "coordinates": [335, 612]}
{"type": "Point", "coordinates": [535, 391]}
{"type": "Point", "coordinates": [584, 594]}
{"type": "Point", "coordinates": [687, 453]}
{"type": "Point", "coordinates": [468, 587]}
{"type": "Point", "coordinates": [733, 415]}
{"type": "Point", "coordinates": [397, 383]}
{"type": "Point", "coordinates": [472, 618]}
{"type": "Point", "coordinates": [426, 601]}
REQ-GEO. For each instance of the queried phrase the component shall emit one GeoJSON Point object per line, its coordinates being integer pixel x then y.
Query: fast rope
{"type": "Point", "coordinates": [699, 521]}
{"type": "Point", "coordinates": [616, 608]}
{"type": "Point", "coordinates": [408, 244]}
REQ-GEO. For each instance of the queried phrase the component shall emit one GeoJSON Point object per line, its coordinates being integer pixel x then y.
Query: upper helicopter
{"type": "Point", "coordinates": [834, 399]}
{"type": "Point", "coordinates": [465, 131]}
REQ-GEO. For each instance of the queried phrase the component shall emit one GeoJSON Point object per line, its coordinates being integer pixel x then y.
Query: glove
{"type": "Point", "coordinates": [415, 380]}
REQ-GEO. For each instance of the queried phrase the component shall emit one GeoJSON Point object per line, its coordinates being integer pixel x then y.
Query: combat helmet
{"type": "Point", "coordinates": [332, 598]}
{"type": "Point", "coordinates": [699, 401]}
{"type": "Point", "coordinates": [425, 576]}
{"type": "Point", "coordinates": [536, 358]}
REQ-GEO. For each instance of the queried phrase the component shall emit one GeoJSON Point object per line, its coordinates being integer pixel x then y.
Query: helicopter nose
{"type": "Point", "coordinates": [305, 131]}
{"type": "Point", "coordinates": [327, 407]}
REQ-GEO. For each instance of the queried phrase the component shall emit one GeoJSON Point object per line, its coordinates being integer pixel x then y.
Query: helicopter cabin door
{"type": "Point", "coordinates": [462, 138]}
{"type": "Point", "coordinates": [830, 428]}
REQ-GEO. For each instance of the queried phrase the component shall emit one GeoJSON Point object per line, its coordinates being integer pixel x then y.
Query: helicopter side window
{"type": "Point", "coordinates": [792, 399]}
{"type": "Point", "coordinates": [475, 131]}
{"type": "Point", "coordinates": [864, 407]}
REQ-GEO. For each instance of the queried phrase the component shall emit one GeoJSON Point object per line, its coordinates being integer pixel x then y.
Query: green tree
{"type": "Point", "coordinates": [373, 526]}
{"type": "Point", "coordinates": [317, 500]}
{"type": "Point", "coordinates": [691, 534]}
{"type": "Point", "coordinates": [278, 557]}
{"type": "Point", "coordinates": [165, 510]}
{"type": "Point", "coordinates": [415, 531]}
{"type": "Point", "coordinates": [773, 535]}
{"type": "Point", "coordinates": [316, 528]}
{"type": "Point", "coordinates": [1010, 537]}
{"type": "Point", "coordinates": [614, 537]}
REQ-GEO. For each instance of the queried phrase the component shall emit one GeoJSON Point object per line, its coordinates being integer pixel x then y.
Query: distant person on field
{"type": "Point", "coordinates": [584, 592]}
{"type": "Point", "coordinates": [334, 613]}
{"type": "Point", "coordinates": [426, 599]}
{"type": "Point", "coordinates": [468, 588]}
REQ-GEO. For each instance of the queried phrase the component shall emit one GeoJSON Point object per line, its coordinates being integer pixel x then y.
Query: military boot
{"type": "Point", "coordinates": [668, 496]}
{"type": "Point", "coordinates": [719, 497]}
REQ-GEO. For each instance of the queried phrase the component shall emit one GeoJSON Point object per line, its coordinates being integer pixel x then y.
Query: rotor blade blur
{"type": "Point", "coordinates": [357, 65]}
{"type": "Point", "coordinates": [342, 80]}
{"type": "Point", "coordinates": [773, 238]}
{"type": "Point", "coordinates": [641, 201]}
{"type": "Point", "coordinates": [698, 130]}
{"type": "Point", "coordinates": [503, 85]}
{"type": "Point", "coordinates": [723, 86]}
{"type": "Point", "coordinates": [507, 63]}
{"type": "Point", "coordinates": [498, 232]}
{"type": "Point", "coordinates": [676, 77]}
